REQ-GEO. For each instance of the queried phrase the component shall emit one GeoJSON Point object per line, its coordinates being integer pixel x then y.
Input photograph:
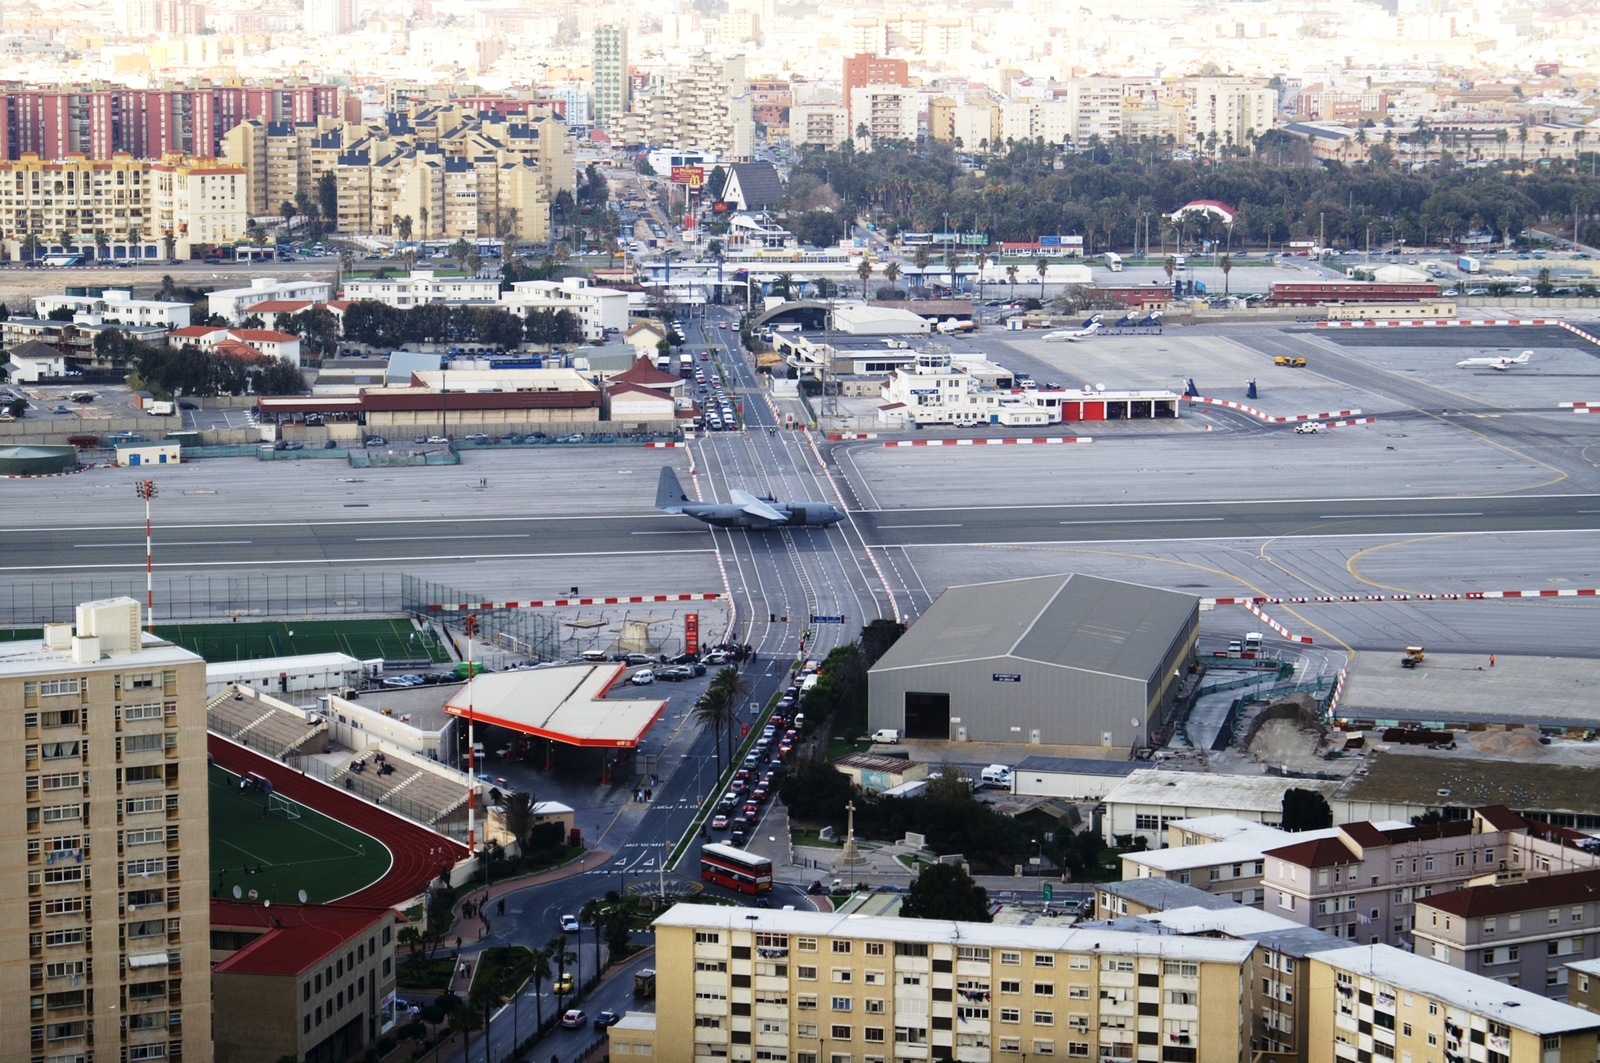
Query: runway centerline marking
{"type": "Point", "coordinates": [203, 542]}
{"type": "Point", "coordinates": [886, 526]}
{"type": "Point", "coordinates": [1390, 516]}
{"type": "Point", "coordinates": [430, 538]}
{"type": "Point", "coordinates": [1148, 520]}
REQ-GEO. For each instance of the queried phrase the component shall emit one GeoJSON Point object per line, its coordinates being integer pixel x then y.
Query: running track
{"type": "Point", "coordinates": [415, 850]}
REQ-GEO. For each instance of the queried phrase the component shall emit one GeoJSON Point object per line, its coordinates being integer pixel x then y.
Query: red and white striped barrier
{"type": "Point", "coordinates": [1324, 599]}
{"type": "Point", "coordinates": [1445, 323]}
{"type": "Point", "coordinates": [1044, 441]}
{"type": "Point", "coordinates": [1279, 628]}
{"type": "Point", "coordinates": [837, 436]}
{"type": "Point", "coordinates": [551, 603]}
{"type": "Point", "coordinates": [1586, 409]}
{"type": "Point", "coordinates": [1262, 415]}
{"type": "Point", "coordinates": [1576, 331]}
{"type": "Point", "coordinates": [1353, 421]}
{"type": "Point", "coordinates": [663, 446]}
{"type": "Point", "coordinates": [1578, 405]}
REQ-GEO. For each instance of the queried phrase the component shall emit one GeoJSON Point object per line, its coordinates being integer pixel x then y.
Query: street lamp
{"type": "Point", "coordinates": [146, 489]}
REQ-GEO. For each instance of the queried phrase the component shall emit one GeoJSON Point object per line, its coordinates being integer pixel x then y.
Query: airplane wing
{"type": "Point", "coordinates": [756, 507]}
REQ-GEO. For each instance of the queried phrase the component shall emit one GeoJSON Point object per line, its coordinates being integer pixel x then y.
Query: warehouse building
{"type": "Point", "coordinates": [1066, 660]}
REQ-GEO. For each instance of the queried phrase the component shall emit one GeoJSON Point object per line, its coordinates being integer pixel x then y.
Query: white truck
{"type": "Point", "coordinates": [1113, 262]}
{"type": "Point", "coordinates": [160, 409]}
{"type": "Point", "coordinates": [996, 777]}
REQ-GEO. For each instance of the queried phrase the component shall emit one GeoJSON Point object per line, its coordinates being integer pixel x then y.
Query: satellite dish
{"type": "Point", "coordinates": [237, 893]}
{"type": "Point", "coordinates": [302, 896]}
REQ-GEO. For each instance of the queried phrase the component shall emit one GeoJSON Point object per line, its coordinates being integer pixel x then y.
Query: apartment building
{"type": "Point", "coordinates": [811, 987]}
{"type": "Point", "coordinates": [115, 306]}
{"type": "Point", "coordinates": [613, 87]}
{"type": "Point", "coordinates": [1143, 804]}
{"type": "Point", "coordinates": [143, 209]}
{"type": "Point", "coordinates": [103, 926]}
{"type": "Point", "coordinates": [100, 120]}
{"type": "Point", "coordinates": [865, 68]}
{"type": "Point", "coordinates": [888, 113]}
{"type": "Point", "coordinates": [421, 286]}
{"type": "Point", "coordinates": [1364, 882]}
{"type": "Point", "coordinates": [451, 171]}
{"type": "Point", "coordinates": [234, 303]}
{"type": "Point", "coordinates": [1230, 110]}
{"type": "Point", "coordinates": [703, 105]}
{"type": "Point", "coordinates": [598, 310]}
{"type": "Point", "coordinates": [1520, 933]}
{"type": "Point", "coordinates": [826, 125]}
{"type": "Point", "coordinates": [1377, 1002]}
{"type": "Point", "coordinates": [308, 982]}
{"type": "Point", "coordinates": [1229, 869]}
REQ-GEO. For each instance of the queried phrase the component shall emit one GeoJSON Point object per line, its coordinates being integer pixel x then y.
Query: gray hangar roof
{"type": "Point", "coordinates": [1070, 621]}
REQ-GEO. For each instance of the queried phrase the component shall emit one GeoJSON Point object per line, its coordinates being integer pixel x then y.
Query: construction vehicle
{"type": "Point", "coordinates": [644, 984]}
{"type": "Point", "coordinates": [1413, 657]}
{"type": "Point", "coordinates": [1298, 363]}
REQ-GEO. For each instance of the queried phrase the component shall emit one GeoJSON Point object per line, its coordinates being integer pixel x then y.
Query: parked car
{"type": "Point", "coordinates": [642, 678]}
{"type": "Point", "coordinates": [377, 441]}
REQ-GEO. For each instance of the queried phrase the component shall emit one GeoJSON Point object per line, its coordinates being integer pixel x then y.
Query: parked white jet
{"type": "Point", "coordinates": [1074, 335]}
{"type": "Point", "coordinates": [1495, 363]}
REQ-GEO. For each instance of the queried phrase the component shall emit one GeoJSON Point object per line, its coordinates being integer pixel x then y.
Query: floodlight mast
{"type": "Point", "coordinates": [146, 489]}
{"type": "Point", "coordinates": [471, 625]}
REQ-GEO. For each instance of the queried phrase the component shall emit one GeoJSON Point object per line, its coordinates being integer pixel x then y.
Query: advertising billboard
{"type": "Point", "coordinates": [693, 176]}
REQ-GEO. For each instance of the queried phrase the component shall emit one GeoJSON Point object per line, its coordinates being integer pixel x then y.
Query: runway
{"type": "Point", "coordinates": [510, 538]}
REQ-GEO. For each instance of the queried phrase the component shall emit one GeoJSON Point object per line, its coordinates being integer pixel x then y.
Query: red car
{"type": "Point", "coordinates": [705, 356]}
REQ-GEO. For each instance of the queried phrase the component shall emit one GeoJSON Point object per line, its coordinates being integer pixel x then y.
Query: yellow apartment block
{"type": "Point", "coordinates": [104, 912]}
{"type": "Point", "coordinates": [1377, 1002]}
{"type": "Point", "coordinates": [739, 985]}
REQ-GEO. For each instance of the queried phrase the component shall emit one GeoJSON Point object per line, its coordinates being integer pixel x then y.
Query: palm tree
{"type": "Point", "coordinates": [485, 997]}
{"type": "Point", "coordinates": [1169, 266]}
{"type": "Point", "coordinates": [66, 239]}
{"type": "Point", "coordinates": [1522, 140]}
{"type": "Point", "coordinates": [715, 711]}
{"type": "Point", "coordinates": [1225, 263]}
{"type": "Point", "coordinates": [1011, 275]}
{"type": "Point", "coordinates": [864, 271]}
{"type": "Point", "coordinates": [461, 251]}
{"type": "Point", "coordinates": [402, 226]}
{"type": "Point", "coordinates": [475, 263]}
{"type": "Point", "coordinates": [730, 685]}
{"type": "Point", "coordinates": [1501, 137]}
{"type": "Point", "coordinates": [170, 242]}
{"type": "Point", "coordinates": [539, 970]}
{"type": "Point", "coordinates": [951, 259]}
{"type": "Point", "coordinates": [347, 259]}
{"type": "Point", "coordinates": [102, 243]}
{"type": "Point", "coordinates": [422, 213]}
{"type": "Point", "coordinates": [168, 292]}
{"type": "Point", "coordinates": [408, 259]}
{"type": "Point", "coordinates": [981, 259]}
{"type": "Point", "coordinates": [891, 272]}
{"type": "Point", "coordinates": [783, 284]}
{"type": "Point", "coordinates": [288, 210]}
{"type": "Point", "coordinates": [921, 258]}
{"type": "Point", "coordinates": [1041, 267]}
{"type": "Point", "coordinates": [465, 1021]}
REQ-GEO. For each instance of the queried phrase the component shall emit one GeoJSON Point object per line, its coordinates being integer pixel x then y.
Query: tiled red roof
{"type": "Point", "coordinates": [618, 386]}
{"type": "Point", "coordinates": [1579, 887]}
{"type": "Point", "coordinates": [298, 936]}
{"type": "Point", "coordinates": [1501, 818]}
{"type": "Point", "coordinates": [193, 330]}
{"type": "Point", "coordinates": [1319, 852]}
{"type": "Point", "coordinates": [1365, 835]}
{"type": "Point", "coordinates": [648, 375]}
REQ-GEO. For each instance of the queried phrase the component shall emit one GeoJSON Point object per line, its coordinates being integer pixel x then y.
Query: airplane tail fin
{"type": "Point", "coordinates": [669, 492]}
{"type": "Point", "coordinates": [1523, 358]}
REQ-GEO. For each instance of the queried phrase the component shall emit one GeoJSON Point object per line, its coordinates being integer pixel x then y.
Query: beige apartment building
{"type": "Point", "coordinates": [1234, 109]}
{"type": "Point", "coordinates": [452, 171]}
{"type": "Point", "coordinates": [805, 987]}
{"type": "Point", "coordinates": [135, 204]}
{"type": "Point", "coordinates": [104, 921]}
{"type": "Point", "coordinates": [703, 106]}
{"type": "Point", "coordinates": [1376, 1002]}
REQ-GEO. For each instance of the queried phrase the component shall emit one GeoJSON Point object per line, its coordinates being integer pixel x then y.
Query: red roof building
{"type": "Point", "coordinates": [647, 375]}
{"type": "Point", "coordinates": [300, 980]}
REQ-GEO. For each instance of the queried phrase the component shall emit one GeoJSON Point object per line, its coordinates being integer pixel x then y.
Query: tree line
{"type": "Point", "coordinates": [379, 325]}
{"type": "Point", "coordinates": [1111, 191]}
{"type": "Point", "coordinates": [189, 370]}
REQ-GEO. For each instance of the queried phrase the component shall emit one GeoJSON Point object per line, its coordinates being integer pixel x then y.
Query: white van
{"type": "Point", "coordinates": [886, 735]}
{"type": "Point", "coordinates": [593, 655]}
{"type": "Point", "coordinates": [996, 777]}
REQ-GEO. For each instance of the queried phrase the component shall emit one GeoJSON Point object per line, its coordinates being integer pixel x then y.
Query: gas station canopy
{"type": "Point", "coordinates": [564, 703]}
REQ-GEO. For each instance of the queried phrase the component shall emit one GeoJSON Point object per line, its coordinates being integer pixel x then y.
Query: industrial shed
{"type": "Point", "coordinates": [1068, 660]}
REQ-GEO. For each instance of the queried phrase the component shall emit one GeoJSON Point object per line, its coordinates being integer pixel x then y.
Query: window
{"type": "Point", "coordinates": [1285, 900]}
{"type": "Point", "coordinates": [50, 688]}
{"type": "Point", "coordinates": [972, 952]}
{"type": "Point", "coordinates": [1182, 969]}
{"type": "Point", "coordinates": [142, 743]}
{"type": "Point", "coordinates": [707, 937]}
{"type": "Point", "coordinates": [1117, 965]}
{"type": "Point", "coordinates": [1078, 1048]}
{"type": "Point", "coordinates": [1011, 1044]}
{"type": "Point", "coordinates": [1077, 992]}
{"type": "Point", "coordinates": [806, 1002]}
{"type": "Point", "coordinates": [1010, 1014]}
{"type": "Point", "coordinates": [874, 948]}
{"type": "Point", "coordinates": [842, 974]}
{"type": "Point", "coordinates": [806, 974]}
{"type": "Point", "coordinates": [1043, 959]}
{"type": "Point", "coordinates": [1182, 996]}
{"type": "Point", "coordinates": [841, 1004]}
{"type": "Point", "coordinates": [872, 1034]}
{"type": "Point", "coordinates": [806, 944]}
{"type": "Point", "coordinates": [135, 713]}
{"type": "Point", "coordinates": [148, 836]}
{"type": "Point", "coordinates": [58, 750]}
{"type": "Point", "coordinates": [910, 948]}
{"type": "Point", "coordinates": [1044, 1018]}
{"type": "Point", "coordinates": [1044, 989]}
{"type": "Point", "coordinates": [872, 1006]}
{"type": "Point", "coordinates": [1044, 1047]}
{"type": "Point", "coordinates": [842, 947]}
{"type": "Point", "coordinates": [1010, 959]}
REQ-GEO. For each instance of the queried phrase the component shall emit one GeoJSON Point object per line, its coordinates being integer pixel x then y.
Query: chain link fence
{"type": "Point", "coordinates": [211, 597]}
{"type": "Point", "coordinates": [522, 630]}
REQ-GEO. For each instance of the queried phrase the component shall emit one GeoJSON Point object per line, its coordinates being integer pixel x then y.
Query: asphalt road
{"type": "Point", "coordinates": [833, 578]}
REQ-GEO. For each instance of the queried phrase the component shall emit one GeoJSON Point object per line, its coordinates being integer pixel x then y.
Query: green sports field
{"type": "Point", "coordinates": [277, 856]}
{"type": "Point", "coordinates": [393, 640]}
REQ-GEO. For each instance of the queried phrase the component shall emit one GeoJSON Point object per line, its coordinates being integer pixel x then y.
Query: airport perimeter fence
{"type": "Point", "coordinates": [530, 631]}
{"type": "Point", "coordinates": [242, 598]}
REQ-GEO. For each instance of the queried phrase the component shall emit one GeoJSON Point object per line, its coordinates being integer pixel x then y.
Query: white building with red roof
{"type": "Point", "coordinates": [265, 342]}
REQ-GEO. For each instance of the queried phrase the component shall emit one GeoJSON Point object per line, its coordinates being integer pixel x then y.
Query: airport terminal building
{"type": "Point", "coordinates": [1066, 660]}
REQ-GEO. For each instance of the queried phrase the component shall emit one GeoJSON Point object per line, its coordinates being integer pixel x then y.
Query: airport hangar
{"type": "Point", "coordinates": [1066, 660]}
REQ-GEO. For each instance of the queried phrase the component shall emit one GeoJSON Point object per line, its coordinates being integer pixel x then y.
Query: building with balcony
{"type": "Point", "coordinates": [421, 287]}
{"type": "Point", "coordinates": [812, 987]}
{"type": "Point", "coordinates": [598, 310]}
{"type": "Point", "coordinates": [107, 872]}
{"type": "Point", "coordinates": [115, 306]}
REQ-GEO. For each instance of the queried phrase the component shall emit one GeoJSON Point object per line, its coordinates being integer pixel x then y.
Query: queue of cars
{"type": "Point", "coordinates": [754, 781]}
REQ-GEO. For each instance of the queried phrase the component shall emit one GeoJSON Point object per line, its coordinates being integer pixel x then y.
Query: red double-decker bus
{"type": "Point", "coordinates": [735, 869]}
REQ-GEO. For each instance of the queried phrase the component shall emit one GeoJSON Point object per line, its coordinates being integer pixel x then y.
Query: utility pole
{"type": "Point", "coordinates": [146, 489]}
{"type": "Point", "coordinates": [471, 624]}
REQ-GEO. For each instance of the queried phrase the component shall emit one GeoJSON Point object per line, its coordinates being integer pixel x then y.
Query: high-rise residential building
{"type": "Point", "coordinates": [1229, 111]}
{"type": "Point", "coordinates": [889, 112]}
{"type": "Point", "coordinates": [98, 119]}
{"type": "Point", "coordinates": [866, 69]}
{"type": "Point", "coordinates": [612, 89]}
{"type": "Point", "coordinates": [704, 106]}
{"type": "Point", "coordinates": [104, 917]}
{"type": "Point", "coordinates": [330, 18]}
